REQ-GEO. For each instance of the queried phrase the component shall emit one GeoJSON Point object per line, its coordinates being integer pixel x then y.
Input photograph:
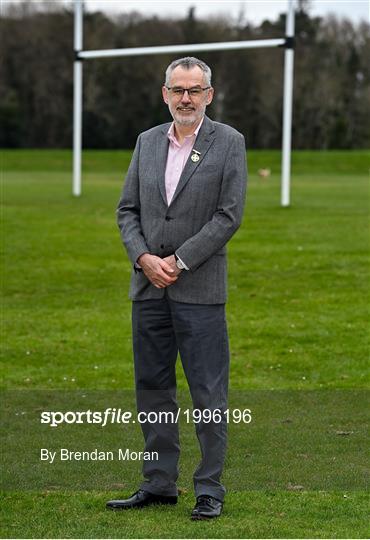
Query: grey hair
{"type": "Point", "coordinates": [188, 62]}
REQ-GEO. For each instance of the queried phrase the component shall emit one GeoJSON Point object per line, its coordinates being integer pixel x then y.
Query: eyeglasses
{"type": "Point", "coordinates": [192, 92]}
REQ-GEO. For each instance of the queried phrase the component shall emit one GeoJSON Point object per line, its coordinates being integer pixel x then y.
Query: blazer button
{"type": "Point", "coordinates": [167, 218]}
{"type": "Point", "coordinates": [162, 246]}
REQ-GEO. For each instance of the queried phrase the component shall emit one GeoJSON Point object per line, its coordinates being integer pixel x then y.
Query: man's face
{"type": "Point", "coordinates": [186, 109]}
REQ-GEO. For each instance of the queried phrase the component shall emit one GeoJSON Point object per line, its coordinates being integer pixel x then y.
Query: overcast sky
{"type": "Point", "coordinates": [254, 10]}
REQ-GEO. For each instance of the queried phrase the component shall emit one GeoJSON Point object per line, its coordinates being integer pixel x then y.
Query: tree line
{"type": "Point", "coordinates": [122, 96]}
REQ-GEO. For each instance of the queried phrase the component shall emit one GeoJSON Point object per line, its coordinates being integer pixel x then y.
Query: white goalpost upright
{"type": "Point", "coordinates": [287, 106]}
{"type": "Point", "coordinates": [77, 98]}
{"type": "Point", "coordinates": [287, 42]}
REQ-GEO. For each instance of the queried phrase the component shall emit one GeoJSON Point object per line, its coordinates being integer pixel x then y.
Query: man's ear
{"type": "Point", "coordinates": [165, 94]}
{"type": "Point", "coordinates": [210, 94]}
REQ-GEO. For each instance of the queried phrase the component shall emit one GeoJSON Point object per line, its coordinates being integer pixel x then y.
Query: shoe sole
{"type": "Point", "coordinates": [135, 507]}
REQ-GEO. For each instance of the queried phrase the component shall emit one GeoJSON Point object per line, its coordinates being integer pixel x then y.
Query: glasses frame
{"type": "Point", "coordinates": [170, 88]}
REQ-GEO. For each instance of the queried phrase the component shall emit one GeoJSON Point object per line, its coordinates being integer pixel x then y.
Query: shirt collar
{"type": "Point", "coordinates": [171, 132]}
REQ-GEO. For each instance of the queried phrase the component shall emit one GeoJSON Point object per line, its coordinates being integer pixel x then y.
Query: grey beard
{"type": "Point", "coordinates": [185, 122]}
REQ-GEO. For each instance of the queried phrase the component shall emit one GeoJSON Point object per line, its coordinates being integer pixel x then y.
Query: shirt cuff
{"type": "Point", "coordinates": [182, 262]}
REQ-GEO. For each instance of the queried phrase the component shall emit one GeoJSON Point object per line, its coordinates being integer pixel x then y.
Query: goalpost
{"type": "Point", "coordinates": [286, 42]}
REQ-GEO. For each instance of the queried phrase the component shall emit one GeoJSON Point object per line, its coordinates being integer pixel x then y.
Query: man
{"type": "Point", "coordinates": [182, 201]}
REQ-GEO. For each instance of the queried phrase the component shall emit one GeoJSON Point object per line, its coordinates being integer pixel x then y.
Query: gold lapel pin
{"type": "Point", "coordinates": [195, 156]}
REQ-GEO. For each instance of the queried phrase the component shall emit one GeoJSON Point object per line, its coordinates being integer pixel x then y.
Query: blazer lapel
{"type": "Point", "coordinates": [161, 160]}
{"type": "Point", "coordinates": [202, 144]}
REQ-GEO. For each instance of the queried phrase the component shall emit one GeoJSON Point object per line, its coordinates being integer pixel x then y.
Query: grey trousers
{"type": "Point", "coordinates": [161, 329]}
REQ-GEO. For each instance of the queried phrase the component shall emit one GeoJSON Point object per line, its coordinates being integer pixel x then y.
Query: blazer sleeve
{"type": "Point", "coordinates": [128, 211]}
{"type": "Point", "coordinates": [229, 213]}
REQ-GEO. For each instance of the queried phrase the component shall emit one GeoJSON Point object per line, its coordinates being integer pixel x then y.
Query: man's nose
{"type": "Point", "coordinates": [185, 97]}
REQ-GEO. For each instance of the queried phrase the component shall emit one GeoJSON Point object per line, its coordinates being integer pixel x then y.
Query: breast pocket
{"type": "Point", "coordinates": [210, 169]}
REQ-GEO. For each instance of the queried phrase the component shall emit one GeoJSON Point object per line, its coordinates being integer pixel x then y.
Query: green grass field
{"type": "Point", "coordinates": [297, 311]}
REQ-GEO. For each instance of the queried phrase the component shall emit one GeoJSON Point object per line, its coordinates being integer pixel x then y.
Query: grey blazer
{"type": "Point", "coordinates": [205, 211]}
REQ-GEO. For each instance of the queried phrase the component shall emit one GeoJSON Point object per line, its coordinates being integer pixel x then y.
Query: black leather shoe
{"type": "Point", "coordinates": [206, 507]}
{"type": "Point", "coordinates": [140, 499]}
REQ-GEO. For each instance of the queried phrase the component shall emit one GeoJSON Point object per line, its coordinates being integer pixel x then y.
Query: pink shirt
{"type": "Point", "coordinates": [176, 159]}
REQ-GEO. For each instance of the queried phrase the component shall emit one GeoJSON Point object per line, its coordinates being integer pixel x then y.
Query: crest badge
{"type": "Point", "coordinates": [195, 156]}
